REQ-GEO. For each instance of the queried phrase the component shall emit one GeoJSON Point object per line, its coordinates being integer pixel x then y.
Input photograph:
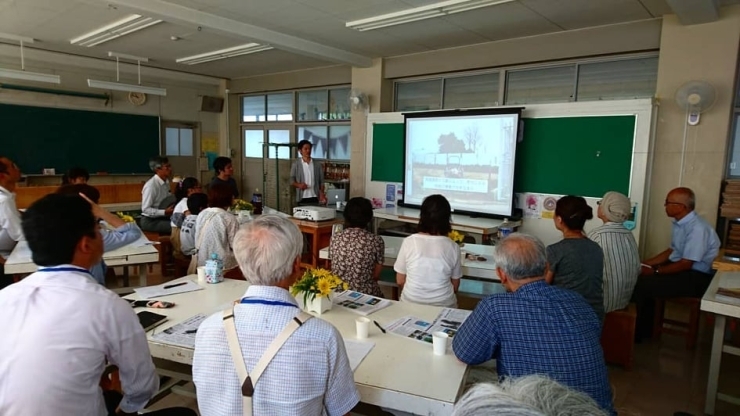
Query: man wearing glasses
{"type": "Point", "coordinates": [682, 270]}
{"type": "Point", "coordinates": [157, 202]}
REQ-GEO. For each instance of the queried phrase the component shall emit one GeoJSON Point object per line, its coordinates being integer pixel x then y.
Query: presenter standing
{"type": "Point", "coordinates": [307, 177]}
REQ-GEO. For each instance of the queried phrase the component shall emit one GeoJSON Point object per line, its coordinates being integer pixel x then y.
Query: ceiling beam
{"type": "Point", "coordinates": [174, 13]}
{"type": "Point", "coordinates": [692, 12]}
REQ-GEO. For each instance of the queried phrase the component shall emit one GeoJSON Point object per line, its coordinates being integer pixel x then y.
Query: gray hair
{"type": "Point", "coordinates": [266, 249]}
{"type": "Point", "coordinates": [157, 162]}
{"type": "Point", "coordinates": [688, 197]}
{"type": "Point", "coordinates": [533, 395]}
{"type": "Point", "coordinates": [521, 256]}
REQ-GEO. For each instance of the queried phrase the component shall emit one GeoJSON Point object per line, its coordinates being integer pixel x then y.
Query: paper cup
{"type": "Point", "coordinates": [202, 274]}
{"type": "Point", "coordinates": [363, 326]}
{"type": "Point", "coordinates": [439, 342]}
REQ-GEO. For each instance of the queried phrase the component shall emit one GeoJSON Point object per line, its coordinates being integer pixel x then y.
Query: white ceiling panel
{"type": "Point", "coordinates": [505, 21]}
{"type": "Point", "coordinates": [433, 33]}
{"type": "Point", "coordinates": [656, 8]}
{"type": "Point", "coordinates": [576, 14]}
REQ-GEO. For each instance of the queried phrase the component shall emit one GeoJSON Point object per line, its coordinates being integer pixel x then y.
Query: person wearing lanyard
{"type": "Point", "coordinates": [60, 326]}
{"type": "Point", "coordinates": [309, 374]}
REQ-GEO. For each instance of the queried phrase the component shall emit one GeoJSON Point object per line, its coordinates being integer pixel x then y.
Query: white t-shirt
{"type": "Point", "coordinates": [308, 179]}
{"type": "Point", "coordinates": [429, 261]}
{"type": "Point", "coordinates": [178, 214]}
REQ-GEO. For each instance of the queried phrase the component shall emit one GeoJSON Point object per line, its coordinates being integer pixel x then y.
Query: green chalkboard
{"type": "Point", "coordinates": [39, 137]}
{"type": "Point", "coordinates": [387, 153]}
{"type": "Point", "coordinates": [584, 156]}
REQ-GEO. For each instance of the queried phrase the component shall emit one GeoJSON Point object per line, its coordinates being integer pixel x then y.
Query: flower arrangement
{"type": "Point", "coordinates": [457, 237]}
{"type": "Point", "coordinates": [125, 217]}
{"type": "Point", "coordinates": [317, 283]}
{"type": "Point", "coordinates": [241, 205]}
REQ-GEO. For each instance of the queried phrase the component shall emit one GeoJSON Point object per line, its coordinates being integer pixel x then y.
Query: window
{"type": "Point", "coordinates": [545, 85]}
{"type": "Point", "coordinates": [254, 143]}
{"type": "Point", "coordinates": [734, 159]}
{"type": "Point", "coordinates": [318, 136]}
{"type": "Point", "coordinates": [271, 107]}
{"type": "Point", "coordinates": [178, 141]}
{"type": "Point", "coordinates": [339, 104]}
{"type": "Point", "coordinates": [419, 95]}
{"type": "Point", "coordinates": [279, 136]}
{"type": "Point", "coordinates": [253, 108]}
{"type": "Point", "coordinates": [339, 142]}
{"type": "Point", "coordinates": [313, 105]}
{"type": "Point", "coordinates": [617, 80]}
{"type": "Point", "coordinates": [472, 91]}
{"type": "Point", "coordinates": [253, 140]}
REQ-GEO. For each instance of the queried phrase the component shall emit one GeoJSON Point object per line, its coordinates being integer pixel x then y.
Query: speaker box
{"type": "Point", "coordinates": [211, 104]}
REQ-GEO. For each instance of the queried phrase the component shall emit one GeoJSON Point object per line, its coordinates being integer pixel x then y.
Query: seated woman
{"type": "Point", "coordinates": [215, 230]}
{"type": "Point", "coordinates": [184, 189]}
{"type": "Point", "coordinates": [197, 202]}
{"type": "Point", "coordinates": [428, 267]}
{"type": "Point", "coordinates": [356, 253]}
{"type": "Point", "coordinates": [119, 234]}
{"type": "Point", "coordinates": [576, 263]}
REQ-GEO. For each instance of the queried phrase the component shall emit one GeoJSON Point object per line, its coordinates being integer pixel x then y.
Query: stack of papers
{"type": "Point", "coordinates": [166, 289]}
{"type": "Point", "coordinates": [448, 321]}
{"type": "Point", "coordinates": [182, 334]}
{"type": "Point", "coordinates": [360, 303]}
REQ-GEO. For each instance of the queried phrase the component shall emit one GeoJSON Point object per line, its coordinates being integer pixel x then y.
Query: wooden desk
{"type": "Point", "coordinates": [723, 307]}
{"type": "Point", "coordinates": [398, 373]}
{"type": "Point", "coordinates": [19, 261]}
{"type": "Point", "coordinates": [319, 235]}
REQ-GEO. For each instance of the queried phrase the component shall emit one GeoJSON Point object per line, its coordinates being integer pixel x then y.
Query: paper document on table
{"type": "Point", "coordinates": [448, 321]}
{"type": "Point", "coordinates": [357, 351]}
{"type": "Point", "coordinates": [143, 241]}
{"type": "Point", "coordinates": [166, 289]}
{"type": "Point", "coordinates": [360, 303]}
{"type": "Point", "coordinates": [182, 334]}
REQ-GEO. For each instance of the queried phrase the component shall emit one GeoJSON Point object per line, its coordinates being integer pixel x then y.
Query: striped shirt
{"type": "Point", "coordinates": [621, 263]}
{"type": "Point", "coordinates": [309, 376]}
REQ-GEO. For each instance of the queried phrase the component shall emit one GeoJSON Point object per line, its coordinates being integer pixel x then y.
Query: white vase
{"type": "Point", "coordinates": [318, 305]}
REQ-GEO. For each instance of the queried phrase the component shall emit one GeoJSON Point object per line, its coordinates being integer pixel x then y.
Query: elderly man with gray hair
{"type": "Point", "coordinates": [265, 356]}
{"type": "Point", "coordinates": [535, 328]}
{"type": "Point", "coordinates": [525, 396]}
{"type": "Point", "coordinates": [157, 202]}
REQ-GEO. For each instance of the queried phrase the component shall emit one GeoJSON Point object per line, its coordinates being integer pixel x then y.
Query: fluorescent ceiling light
{"type": "Point", "coordinates": [30, 76]}
{"type": "Point", "coordinates": [117, 86]}
{"type": "Point", "coordinates": [23, 39]}
{"type": "Point", "coordinates": [223, 54]}
{"type": "Point", "coordinates": [420, 13]}
{"type": "Point", "coordinates": [114, 30]}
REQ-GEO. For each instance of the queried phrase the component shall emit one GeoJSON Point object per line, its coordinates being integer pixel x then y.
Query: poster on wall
{"type": "Point", "coordinates": [532, 207]}
{"type": "Point", "coordinates": [548, 207]}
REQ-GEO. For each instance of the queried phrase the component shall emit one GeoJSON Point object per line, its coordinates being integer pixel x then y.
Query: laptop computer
{"type": "Point", "coordinates": [335, 195]}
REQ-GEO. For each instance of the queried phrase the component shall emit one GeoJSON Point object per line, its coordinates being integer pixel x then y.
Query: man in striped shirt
{"type": "Point", "coordinates": [621, 258]}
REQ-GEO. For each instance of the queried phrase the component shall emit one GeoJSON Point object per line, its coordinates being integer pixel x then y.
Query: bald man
{"type": "Point", "coordinates": [685, 268]}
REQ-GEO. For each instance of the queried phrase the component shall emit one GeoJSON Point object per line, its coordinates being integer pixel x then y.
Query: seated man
{"type": "Point", "coordinates": [224, 174]}
{"type": "Point", "coordinates": [621, 257]}
{"type": "Point", "coordinates": [10, 219]}
{"type": "Point", "coordinates": [59, 326]}
{"type": "Point", "coordinates": [535, 328]}
{"type": "Point", "coordinates": [310, 373]}
{"type": "Point", "coordinates": [122, 233]}
{"type": "Point", "coordinates": [157, 202]}
{"type": "Point", "coordinates": [682, 270]}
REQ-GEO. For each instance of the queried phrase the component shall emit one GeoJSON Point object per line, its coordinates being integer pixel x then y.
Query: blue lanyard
{"type": "Point", "coordinates": [267, 302]}
{"type": "Point", "coordinates": [63, 269]}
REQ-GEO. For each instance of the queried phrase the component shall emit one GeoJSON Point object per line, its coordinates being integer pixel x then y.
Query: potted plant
{"type": "Point", "coordinates": [457, 237]}
{"type": "Point", "coordinates": [317, 285]}
{"type": "Point", "coordinates": [241, 208]}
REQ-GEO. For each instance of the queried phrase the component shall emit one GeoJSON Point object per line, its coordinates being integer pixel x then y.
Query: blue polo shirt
{"type": "Point", "coordinates": [694, 239]}
{"type": "Point", "coordinates": [539, 329]}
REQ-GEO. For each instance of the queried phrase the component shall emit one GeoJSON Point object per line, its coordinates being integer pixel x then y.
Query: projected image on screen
{"type": "Point", "coordinates": [468, 159]}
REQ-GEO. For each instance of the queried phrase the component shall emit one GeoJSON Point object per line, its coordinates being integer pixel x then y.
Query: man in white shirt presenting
{"type": "Point", "coordinates": [157, 202]}
{"type": "Point", "coordinates": [310, 373]}
{"type": "Point", "coordinates": [10, 219]}
{"type": "Point", "coordinates": [307, 177]}
{"type": "Point", "coordinates": [60, 326]}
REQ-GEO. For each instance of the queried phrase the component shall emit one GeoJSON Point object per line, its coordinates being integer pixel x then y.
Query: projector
{"type": "Point", "coordinates": [314, 213]}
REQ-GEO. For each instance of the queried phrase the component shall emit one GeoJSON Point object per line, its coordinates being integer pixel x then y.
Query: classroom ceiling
{"type": "Point", "coordinates": [304, 33]}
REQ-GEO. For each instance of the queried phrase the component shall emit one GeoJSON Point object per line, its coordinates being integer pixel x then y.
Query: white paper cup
{"type": "Point", "coordinates": [363, 326]}
{"type": "Point", "coordinates": [202, 274]}
{"type": "Point", "coordinates": [439, 342]}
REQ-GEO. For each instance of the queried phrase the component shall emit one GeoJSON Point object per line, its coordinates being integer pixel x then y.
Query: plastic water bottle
{"type": "Point", "coordinates": [257, 201]}
{"type": "Point", "coordinates": [214, 269]}
{"type": "Point", "coordinates": [505, 229]}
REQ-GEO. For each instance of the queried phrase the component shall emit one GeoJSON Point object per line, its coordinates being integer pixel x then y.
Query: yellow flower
{"type": "Point", "coordinates": [324, 287]}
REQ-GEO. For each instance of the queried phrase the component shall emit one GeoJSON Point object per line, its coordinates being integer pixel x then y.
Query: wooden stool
{"type": "Point", "coordinates": [689, 330]}
{"type": "Point", "coordinates": [618, 336]}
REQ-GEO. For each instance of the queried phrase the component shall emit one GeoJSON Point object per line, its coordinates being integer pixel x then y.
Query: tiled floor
{"type": "Point", "coordinates": [664, 379]}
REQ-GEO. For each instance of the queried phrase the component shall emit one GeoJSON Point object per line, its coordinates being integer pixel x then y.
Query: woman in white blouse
{"type": "Point", "coordinates": [216, 228]}
{"type": "Point", "coordinates": [428, 267]}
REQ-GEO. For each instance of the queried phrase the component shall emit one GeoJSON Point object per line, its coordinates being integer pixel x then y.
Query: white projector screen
{"type": "Point", "coordinates": [466, 156]}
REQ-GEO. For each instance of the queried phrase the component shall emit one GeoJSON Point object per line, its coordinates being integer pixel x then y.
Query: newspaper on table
{"type": "Point", "coordinates": [360, 303]}
{"type": "Point", "coordinates": [182, 334]}
{"type": "Point", "coordinates": [448, 321]}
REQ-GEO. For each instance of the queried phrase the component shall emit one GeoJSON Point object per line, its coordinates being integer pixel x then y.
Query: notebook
{"type": "Point", "coordinates": [335, 195]}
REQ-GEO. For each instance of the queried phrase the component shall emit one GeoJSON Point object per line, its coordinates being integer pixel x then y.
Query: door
{"type": "Point", "coordinates": [266, 164]}
{"type": "Point", "coordinates": [181, 145]}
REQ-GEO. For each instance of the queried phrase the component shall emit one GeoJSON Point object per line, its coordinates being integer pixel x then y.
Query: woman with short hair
{"type": "Point", "coordinates": [183, 190]}
{"type": "Point", "coordinates": [216, 228]}
{"type": "Point", "coordinates": [428, 267]}
{"type": "Point", "coordinates": [357, 254]}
